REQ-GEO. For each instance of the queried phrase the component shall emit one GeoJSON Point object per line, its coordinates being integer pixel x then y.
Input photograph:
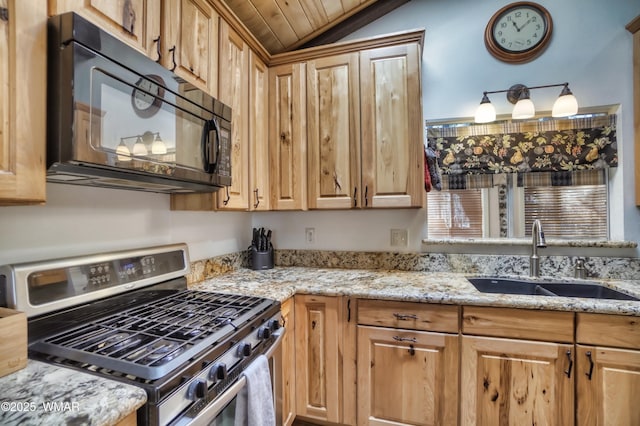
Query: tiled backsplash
{"type": "Point", "coordinates": [501, 265]}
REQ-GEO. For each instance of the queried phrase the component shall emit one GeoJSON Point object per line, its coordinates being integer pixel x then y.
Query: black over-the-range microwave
{"type": "Point", "coordinates": [117, 119]}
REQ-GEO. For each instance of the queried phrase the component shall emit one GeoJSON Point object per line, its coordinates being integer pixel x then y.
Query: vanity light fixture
{"type": "Point", "coordinates": [566, 105]}
{"type": "Point", "coordinates": [144, 143]}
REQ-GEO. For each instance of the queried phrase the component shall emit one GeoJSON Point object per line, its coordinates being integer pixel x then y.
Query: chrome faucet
{"type": "Point", "coordinates": [537, 240]}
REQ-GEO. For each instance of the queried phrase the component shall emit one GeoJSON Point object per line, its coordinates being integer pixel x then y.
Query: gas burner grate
{"type": "Point", "coordinates": [149, 340]}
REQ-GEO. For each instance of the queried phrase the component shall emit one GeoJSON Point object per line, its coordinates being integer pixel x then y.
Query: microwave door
{"type": "Point", "coordinates": [139, 125]}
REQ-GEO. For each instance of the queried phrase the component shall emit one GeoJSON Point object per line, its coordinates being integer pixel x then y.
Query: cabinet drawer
{"type": "Point", "coordinates": [608, 330]}
{"type": "Point", "coordinates": [408, 315]}
{"type": "Point", "coordinates": [518, 323]}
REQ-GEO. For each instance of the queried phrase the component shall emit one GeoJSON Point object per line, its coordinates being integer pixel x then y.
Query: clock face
{"type": "Point", "coordinates": [146, 98]}
{"type": "Point", "coordinates": [518, 32]}
{"type": "Point", "coordinates": [520, 29]}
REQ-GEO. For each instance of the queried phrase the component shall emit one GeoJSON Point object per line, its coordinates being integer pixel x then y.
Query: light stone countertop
{"type": "Point", "coordinates": [92, 400]}
{"type": "Point", "coordinates": [280, 283]}
{"type": "Point", "coordinates": [44, 394]}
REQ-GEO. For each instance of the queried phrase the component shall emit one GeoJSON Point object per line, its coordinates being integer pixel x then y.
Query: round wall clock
{"type": "Point", "coordinates": [147, 102]}
{"type": "Point", "coordinates": [518, 32]}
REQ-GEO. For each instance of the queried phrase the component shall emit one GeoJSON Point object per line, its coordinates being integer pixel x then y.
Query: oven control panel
{"type": "Point", "coordinates": [65, 282]}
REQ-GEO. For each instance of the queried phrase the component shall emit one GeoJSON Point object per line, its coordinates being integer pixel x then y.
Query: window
{"type": "Point", "coordinates": [508, 208]}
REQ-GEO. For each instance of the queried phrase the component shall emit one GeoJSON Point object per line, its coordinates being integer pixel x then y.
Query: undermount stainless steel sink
{"type": "Point", "coordinates": [547, 288]}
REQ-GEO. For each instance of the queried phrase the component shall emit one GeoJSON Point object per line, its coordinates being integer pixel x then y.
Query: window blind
{"type": "Point", "coordinates": [454, 214]}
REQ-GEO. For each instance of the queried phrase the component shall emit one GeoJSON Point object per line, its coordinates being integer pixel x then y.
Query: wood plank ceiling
{"type": "Point", "coordinates": [285, 25]}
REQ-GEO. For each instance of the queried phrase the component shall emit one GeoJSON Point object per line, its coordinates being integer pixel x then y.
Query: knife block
{"type": "Point", "coordinates": [13, 341]}
{"type": "Point", "coordinates": [261, 259]}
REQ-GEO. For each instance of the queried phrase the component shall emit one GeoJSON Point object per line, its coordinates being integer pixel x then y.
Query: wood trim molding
{"type": "Point", "coordinates": [403, 37]}
{"type": "Point", "coordinates": [634, 25]}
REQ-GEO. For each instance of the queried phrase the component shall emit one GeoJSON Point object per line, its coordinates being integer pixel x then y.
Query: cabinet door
{"type": "Point", "coordinates": [392, 130]}
{"type": "Point", "coordinates": [608, 386]}
{"type": "Point", "coordinates": [333, 131]}
{"type": "Point", "coordinates": [136, 22]}
{"type": "Point", "coordinates": [234, 91]}
{"type": "Point", "coordinates": [407, 377]}
{"type": "Point", "coordinates": [318, 383]}
{"type": "Point", "coordinates": [288, 143]}
{"type": "Point", "coordinates": [258, 133]}
{"type": "Point", "coordinates": [288, 394]}
{"type": "Point", "coordinates": [23, 67]}
{"type": "Point", "coordinates": [190, 46]}
{"type": "Point", "coordinates": [516, 382]}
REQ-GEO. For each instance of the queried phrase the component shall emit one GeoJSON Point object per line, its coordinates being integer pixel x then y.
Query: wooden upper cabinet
{"type": "Point", "coordinates": [392, 130]}
{"type": "Point", "coordinates": [258, 134]}
{"type": "Point", "coordinates": [190, 42]}
{"type": "Point", "coordinates": [634, 28]}
{"type": "Point", "coordinates": [233, 90]}
{"type": "Point", "coordinates": [288, 141]}
{"type": "Point", "coordinates": [333, 131]}
{"type": "Point", "coordinates": [23, 67]}
{"type": "Point", "coordinates": [136, 22]}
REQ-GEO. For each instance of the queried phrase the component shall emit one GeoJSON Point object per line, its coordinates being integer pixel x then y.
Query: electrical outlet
{"type": "Point", "coordinates": [310, 235]}
{"type": "Point", "coordinates": [399, 238]}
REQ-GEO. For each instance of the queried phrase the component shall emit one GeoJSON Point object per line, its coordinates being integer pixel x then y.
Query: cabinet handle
{"type": "Point", "coordinates": [355, 194]}
{"type": "Point", "coordinates": [590, 373]}
{"type": "Point", "coordinates": [568, 370]}
{"type": "Point", "coordinates": [157, 42]}
{"type": "Point", "coordinates": [173, 57]}
{"type": "Point", "coordinates": [404, 339]}
{"type": "Point", "coordinates": [257, 203]}
{"type": "Point", "coordinates": [4, 14]}
{"type": "Point", "coordinates": [226, 200]}
{"type": "Point", "coordinates": [349, 310]}
{"type": "Point", "coordinates": [405, 317]}
{"type": "Point", "coordinates": [366, 197]}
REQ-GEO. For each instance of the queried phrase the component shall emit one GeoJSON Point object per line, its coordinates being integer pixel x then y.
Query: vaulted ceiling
{"type": "Point", "coordinates": [285, 25]}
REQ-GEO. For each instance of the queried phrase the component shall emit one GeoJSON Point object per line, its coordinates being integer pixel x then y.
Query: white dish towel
{"type": "Point", "coordinates": [254, 403]}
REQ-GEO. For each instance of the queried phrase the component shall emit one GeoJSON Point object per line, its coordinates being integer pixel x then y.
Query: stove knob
{"type": "Point", "coordinates": [264, 333]}
{"type": "Point", "coordinates": [218, 372]}
{"type": "Point", "coordinates": [197, 390]}
{"type": "Point", "coordinates": [273, 324]}
{"type": "Point", "coordinates": [244, 349]}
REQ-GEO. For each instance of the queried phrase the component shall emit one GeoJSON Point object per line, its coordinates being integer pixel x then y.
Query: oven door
{"type": "Point", "coordinates": [221, 411]}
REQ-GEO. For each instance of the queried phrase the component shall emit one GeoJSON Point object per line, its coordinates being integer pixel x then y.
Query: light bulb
{"type": "Point", "coordinates": [486, 112]}
{"type": "Point", "coordinates": [566, 105]}
{"type": "Point", "coordinates": [158, 146]}
{"type": "Point", "coordinates": [139, 148]}
{"type": "Point", "coordinates": [123, 152]}
{"type": "Point", "coordinates": [524, 108]}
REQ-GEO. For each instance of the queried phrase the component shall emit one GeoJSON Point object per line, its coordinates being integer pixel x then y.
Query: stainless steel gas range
{"type": "Point", "coordinates": [129, 316]}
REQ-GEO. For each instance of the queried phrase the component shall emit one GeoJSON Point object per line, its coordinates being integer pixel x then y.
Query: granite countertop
{"type": "Point", "coordinates": [42, 393]}
{"type": "Point", "coordinates": [280, 283]}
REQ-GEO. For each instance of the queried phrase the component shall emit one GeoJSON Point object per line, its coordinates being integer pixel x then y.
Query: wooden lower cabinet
{"type": "Point", "coordinates": [608, 386]}
{"type": "Point", "coordinates": [407, 377]}
{"type": "Point", "coordinates": [607, 370]}
{"type": "Point", "coordinates": [286, 388]}
{"type": "Point", "coordinates": [515, 382]}
{"type": "Point", "coordinates": [325, 359]}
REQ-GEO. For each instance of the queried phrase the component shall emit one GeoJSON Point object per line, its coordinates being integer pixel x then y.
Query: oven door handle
{"type": "Point", "coordinates": [209, 413]}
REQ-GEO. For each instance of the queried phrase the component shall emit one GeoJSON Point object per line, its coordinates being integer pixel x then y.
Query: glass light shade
{"type": "Point", "coordinates": [123, 152]}
{"type": "Point", "coordinates": [139, 148]}
{"type": "Point", "coordinates": [566, 105]}
{"type": "Point", "coordinates": [486, 112]}
{"type": "Point", "coordinates": [158, 146]}
{"type": "Point", "coordinates": [524, 108]}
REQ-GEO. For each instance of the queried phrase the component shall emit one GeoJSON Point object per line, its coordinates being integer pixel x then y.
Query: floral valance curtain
{"type": "Point", "coordinates": [539, 146]}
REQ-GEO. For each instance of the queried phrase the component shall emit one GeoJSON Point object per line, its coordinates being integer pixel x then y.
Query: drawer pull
{"type": "Point", "coordinates": [405, 317]}
{"type": "Point", "coordinates": [590, 373]}
{"type": "Point", "coordinates": [404, 339]}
